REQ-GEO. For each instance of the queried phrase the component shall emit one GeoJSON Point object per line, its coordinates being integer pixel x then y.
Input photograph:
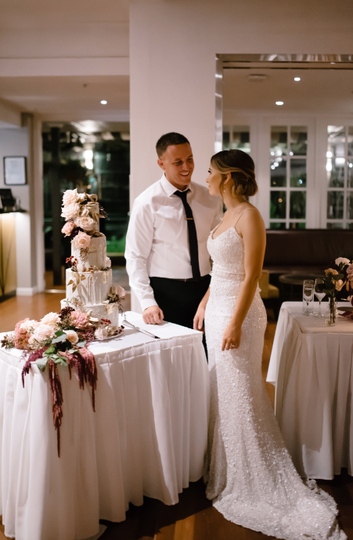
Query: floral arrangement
{"type": "Point", "coordinates": [81, 212]}
{"type": "Point", "coordinates": [339, 279]}
{"type": "Point", "coordinates": [60, 339]}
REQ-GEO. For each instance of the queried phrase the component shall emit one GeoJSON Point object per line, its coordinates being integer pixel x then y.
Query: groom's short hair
{"type": "Point", "coordinates": [169, 139]}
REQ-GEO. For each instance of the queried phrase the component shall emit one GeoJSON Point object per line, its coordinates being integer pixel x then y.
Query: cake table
{"type": "Point", "coordinates": [147, 437]}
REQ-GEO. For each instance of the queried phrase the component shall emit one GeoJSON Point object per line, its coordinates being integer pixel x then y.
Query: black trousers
{"type": "Point", "coordinates": [179, 300]}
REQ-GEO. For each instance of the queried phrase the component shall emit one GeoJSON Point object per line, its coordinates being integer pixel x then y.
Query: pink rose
{"type": "Point", "coordinates": [79, 319]}
{"type": "Point", "coordinates": [350, 273]}
{"type": "Point", "coordinates": [43, 332]}
{"type": "Point", "coordinates": [82, 240]}
{"type": "Point", "coordinates": [71, 336]}
{"type": "Point", "coordinates": [71, 211]}
{"type": "Point", "coordinates": [51, 319]}
{"type": "Point", "coordinates": [85, 223]}
{"type": "Point", "coordinates": [67, 228]}
{"type": "Point", "coordinates": [21, 335]}
{"type": "Point", "coordinates": [70, 196]}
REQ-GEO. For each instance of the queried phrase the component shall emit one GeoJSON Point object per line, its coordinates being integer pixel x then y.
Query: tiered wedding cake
{"type": "Point", "coordinates": [89, 278]}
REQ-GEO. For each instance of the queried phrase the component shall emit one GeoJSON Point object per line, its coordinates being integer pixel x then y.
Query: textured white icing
{"type": "Point", "coordinates": [96, 254]}
{"type": "Point", "coordinates": [91, 290]}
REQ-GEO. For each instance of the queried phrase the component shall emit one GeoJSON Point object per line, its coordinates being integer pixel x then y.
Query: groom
{"type": "Point", "coordinates": [166, 255]}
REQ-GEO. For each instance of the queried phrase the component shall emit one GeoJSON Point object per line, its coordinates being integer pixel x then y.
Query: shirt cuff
{"type": "Point", "coordinates": [148, 302]}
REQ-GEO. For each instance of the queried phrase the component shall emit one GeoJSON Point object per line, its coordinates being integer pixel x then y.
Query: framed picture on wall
{"type": "Point", "coordinates": [15, 171]}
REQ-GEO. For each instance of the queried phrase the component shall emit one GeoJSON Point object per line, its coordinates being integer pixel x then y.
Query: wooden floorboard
{"type": "Point", "coordinates": [193, 518]}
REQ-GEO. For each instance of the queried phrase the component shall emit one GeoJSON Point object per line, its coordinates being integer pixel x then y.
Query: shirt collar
{"type": "Point", "coordinates": [169, 188]}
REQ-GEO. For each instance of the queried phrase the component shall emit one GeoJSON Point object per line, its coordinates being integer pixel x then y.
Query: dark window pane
{"type": "Point", "coordinates": [334, 226]}
{"type": "Point", "coordinates": [277, 225]}
{"type": "Point", "coordinates": [350, 141]}
{"type": "Point", "coordinates": [226, 138]}
{"type": "Point", "coordinates": [278, 173]}
{"type": "Point", "coordinates": [297, 204]}
{"type": "Point", "coordinates": [335, 205]}
{"type": "Point", "coordinates": [350, 205]}
{"type": "Point", "coordinates": [298, 140]}
{"type": "Point", "coordinates": [241, 138]}
{"type": "Point", "coordinates": [298, 173]}
{"type": "Point", "coordinates": [278, 140]}
{"type": "Point", "coordinates": [349, 226]}
{"type": "Point", "coordinates": [350, 173]}
{"type": "Point", "coordinates": [278, 205]}
{"type": "Point", "coordinates": [298, 225]}
{"type": "Point", "coordinates": [335, 157]}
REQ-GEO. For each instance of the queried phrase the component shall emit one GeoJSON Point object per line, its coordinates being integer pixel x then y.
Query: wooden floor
{"type": "Point", "coordinates": [193, 518]}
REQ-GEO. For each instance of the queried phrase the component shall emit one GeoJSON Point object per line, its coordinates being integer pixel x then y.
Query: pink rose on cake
{"type": "Point", "coordinates": [82, 240]}
{"type": "Point", "coordinates": [86, 223]}
{"type": "Point", "coordinates": [68, 228]}
{"type": "Point", "coordinates": [71, 211]}
{"type": "Point", "coordinates": [79, 319]}
{"type": "Point", "coordinates": [70, 196]}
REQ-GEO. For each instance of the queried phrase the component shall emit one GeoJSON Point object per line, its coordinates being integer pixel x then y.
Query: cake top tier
{"type": "Point", "coordinates": [81, 212]}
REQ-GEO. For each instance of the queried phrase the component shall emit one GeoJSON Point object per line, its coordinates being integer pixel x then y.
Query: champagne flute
{"type": "Point", "coordinates": [319, 293]}
{"type": "Point", "coordinates": [308, 296]}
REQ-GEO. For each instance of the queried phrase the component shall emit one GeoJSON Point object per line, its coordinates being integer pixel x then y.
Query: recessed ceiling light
{"type": "Point", "coordinates": [104, 102]}
{"type": "Point", "coordinates": [279, 102]}
{"type": "Point", "coordinates": [297, 79]}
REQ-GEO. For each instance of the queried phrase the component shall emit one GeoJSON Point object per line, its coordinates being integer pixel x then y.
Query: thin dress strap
{"type": "Point", "coordinates": [245, 209]}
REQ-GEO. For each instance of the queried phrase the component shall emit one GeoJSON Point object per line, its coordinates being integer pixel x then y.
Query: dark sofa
{"type": "Point", "coordinates": [305, 251]}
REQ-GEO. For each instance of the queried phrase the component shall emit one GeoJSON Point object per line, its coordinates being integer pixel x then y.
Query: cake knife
{"type": "Point", "coordinates": [128, 323]}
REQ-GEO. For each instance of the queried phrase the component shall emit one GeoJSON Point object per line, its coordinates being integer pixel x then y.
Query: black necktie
{"type": "Point", "coordinates": [194, 251]}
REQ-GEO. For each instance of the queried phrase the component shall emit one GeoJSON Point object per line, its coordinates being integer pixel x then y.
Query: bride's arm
{"type": "Point", "coordinates": [251, 227]}
{"type": "Point", "coordinates": [200, 313]}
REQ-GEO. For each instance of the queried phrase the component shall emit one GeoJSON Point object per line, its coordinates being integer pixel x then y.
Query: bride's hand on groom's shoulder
{"type": "Point", "coordinates": [231, 337]}
{"type": "Point", "coordinates": [153, 315]}
{"type": "Point", "coordinates": [199, 318]}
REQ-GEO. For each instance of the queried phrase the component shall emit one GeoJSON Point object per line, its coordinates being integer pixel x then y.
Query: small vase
{"type": "Point", "coordinates": [331, 313]}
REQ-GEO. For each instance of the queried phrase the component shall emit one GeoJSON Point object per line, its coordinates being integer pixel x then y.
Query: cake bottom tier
{"type": "Point", "coordinates": [99, 311]}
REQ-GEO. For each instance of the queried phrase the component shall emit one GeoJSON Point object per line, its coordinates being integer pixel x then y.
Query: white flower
{"type": "Point", "coordinates": [85, 223]}
{"type": "Point", "coordinates": [43, 331]}
{"type": "Point", "coordinates": [71, 211]}
{"type": "Point", "coordinates": [108, 262]}
{"type": "Point", "coordinates": [72, 336]}
{"type": "Point", "coordinates": [101, 333]}
{"type": "Point", "coordinates": [51, 319]}
{"type": "Point", "coordinates": [70, 196]}
{"type": "Point", "coordinates": [342, 260]}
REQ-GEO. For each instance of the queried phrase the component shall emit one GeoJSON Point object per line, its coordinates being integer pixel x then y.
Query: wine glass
{"type": "Point", "coordinates": [308, 296]}
{"type": "Point", "coordinates": [319, 293]}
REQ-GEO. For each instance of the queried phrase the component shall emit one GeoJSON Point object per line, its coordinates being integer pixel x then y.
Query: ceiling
{"type": "Point", "coordinates": [73, 40]}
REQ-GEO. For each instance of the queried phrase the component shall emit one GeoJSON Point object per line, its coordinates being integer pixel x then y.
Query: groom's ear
{"type": "Point", "coordinates": [161, 164]}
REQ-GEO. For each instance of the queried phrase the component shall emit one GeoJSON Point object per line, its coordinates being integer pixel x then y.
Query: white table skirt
{"type": "Point", "coordinates": [311, 366]}
{"type": "Point", "coordinates": [147, 437]}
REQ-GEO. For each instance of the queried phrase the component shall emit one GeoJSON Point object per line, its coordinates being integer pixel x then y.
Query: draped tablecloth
{"type": "Point", "coordinates": [147, 437]}
{"type": "Point", "coordinates": [311, 366]}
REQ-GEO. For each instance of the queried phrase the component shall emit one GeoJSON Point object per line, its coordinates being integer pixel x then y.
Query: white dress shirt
{"type": "Point", "coordinates": [157, 242]}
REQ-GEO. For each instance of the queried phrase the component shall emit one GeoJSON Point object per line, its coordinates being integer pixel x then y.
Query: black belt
{"type": "Point", "coordinates": [194, 280]}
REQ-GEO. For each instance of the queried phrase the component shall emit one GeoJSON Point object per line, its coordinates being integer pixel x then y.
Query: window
{"type": "Point", "coordinates": [339, 169]}
{"type": "Point", "coordinates": [236, 137]}
{"type": "Point", "coordinates": [288, 179]}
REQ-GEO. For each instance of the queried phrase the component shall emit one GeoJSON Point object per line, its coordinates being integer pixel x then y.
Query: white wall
{"type": "Point", "coordinates": [172, 62]}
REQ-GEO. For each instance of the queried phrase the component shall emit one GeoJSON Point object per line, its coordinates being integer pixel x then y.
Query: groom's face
{"type": "Point", "coordinates": [177, 163]}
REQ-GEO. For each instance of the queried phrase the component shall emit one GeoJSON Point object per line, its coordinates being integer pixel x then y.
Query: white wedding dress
{"type": "Point", "coordinates": [251, 478]}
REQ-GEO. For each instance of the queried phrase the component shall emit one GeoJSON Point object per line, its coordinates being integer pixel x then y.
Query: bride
{"type": "Point", "coordinates": [251, 480]}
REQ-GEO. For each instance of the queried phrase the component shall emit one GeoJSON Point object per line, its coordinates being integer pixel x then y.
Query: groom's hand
{"type": "Point", "coordinates": [153, 315]}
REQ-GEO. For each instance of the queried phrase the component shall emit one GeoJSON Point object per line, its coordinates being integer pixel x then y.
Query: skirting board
{"type": "Point", "coordinates": [26, 291]}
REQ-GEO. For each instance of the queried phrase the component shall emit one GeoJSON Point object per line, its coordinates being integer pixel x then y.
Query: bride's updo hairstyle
{"type": "Point", "coordinates": [242, 169]}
